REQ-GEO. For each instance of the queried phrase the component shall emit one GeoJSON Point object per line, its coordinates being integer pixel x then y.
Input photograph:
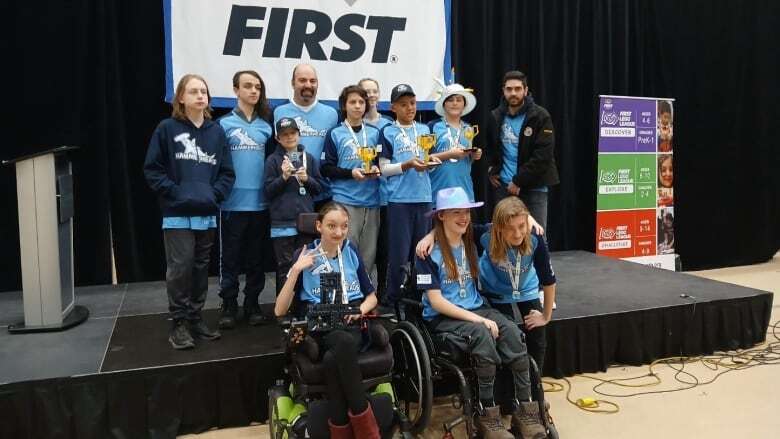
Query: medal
{"type": "Point", "coordinates": [462, 268]}
{"type": "Point", "coordinates": [514, 275]}
{"type": "Point", "coordinates": [302, 190]}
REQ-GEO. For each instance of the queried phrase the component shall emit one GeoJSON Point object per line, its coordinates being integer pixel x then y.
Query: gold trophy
{"type": "Point", "coordinates": [367, 155]}
{"type": "Point", "coordinates": [426, 142]}
{"type": "Point", "coordinates": [470, 132]}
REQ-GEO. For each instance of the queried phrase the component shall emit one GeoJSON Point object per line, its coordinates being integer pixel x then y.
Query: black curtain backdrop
{"type": "Point", "coordinates": [90, 73]}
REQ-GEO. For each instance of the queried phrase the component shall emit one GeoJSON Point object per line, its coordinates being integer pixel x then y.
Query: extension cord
{"type": "Point", "coordinates": [587, 402]}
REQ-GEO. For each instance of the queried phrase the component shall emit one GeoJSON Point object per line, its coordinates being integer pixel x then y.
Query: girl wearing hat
{"type": "Point", "coordinates": [453, 305]}
{"type": "Point", "coordinates": [350, 414]}
{"type": "Point", "coordinates": [451, 143]}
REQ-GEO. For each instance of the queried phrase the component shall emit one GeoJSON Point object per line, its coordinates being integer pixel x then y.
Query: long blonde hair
{"type": "Point", "coordinates": [446, 250]}
{"type": "Point", "coordinates": [178, 108]}
{"type": "Point", "coordinates": [506, 210]}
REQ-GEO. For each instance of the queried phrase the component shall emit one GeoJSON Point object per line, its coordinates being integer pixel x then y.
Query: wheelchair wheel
{"type": "Point", "coordinates": [412, 376]}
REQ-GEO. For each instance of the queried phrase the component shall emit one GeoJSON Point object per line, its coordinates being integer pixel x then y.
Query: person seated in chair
{"type": "Point", "coordinates": [350, 414]}
{"type": "Point", "coordinates": [452, 304]}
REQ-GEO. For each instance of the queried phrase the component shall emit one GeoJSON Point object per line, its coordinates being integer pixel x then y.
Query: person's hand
{"type": "Point", "coordinates": [513, 189]}
{"type": "Point", "coordinates": [301, 175]}
{"type": "Point", "coordinates": [375, 172]}
{"type": "Point", "coordinates": [434, 159]}
{"type": "Point", "coordinates": [492, 327]}
{"type": "Point", "coordinates": [306, 258]}
{"type": "Point", "coordinates": [458, 153]}
{"type": "Point", "coordinates": [287, 168]}
{"type": "Point", "coordinates": [425, 246]}
{"type": "Point", "coordinates": [415, 163]}
{"type": "Point", "coordinates": [358, 175]}
{"type": "Point", "coordinates": [534, 226]}
{"type": "Point", "coordinates": [495, 180]}
{"type": "Point", "coordinates": [364, 311]}
{"type": "Point", "coordinates": [476, 154]}
{"type": "Point", "coordinates": [534, 319]}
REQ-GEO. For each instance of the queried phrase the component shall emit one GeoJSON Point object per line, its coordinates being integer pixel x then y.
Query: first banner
{"type": "Point", "coordinates": [399, 41]}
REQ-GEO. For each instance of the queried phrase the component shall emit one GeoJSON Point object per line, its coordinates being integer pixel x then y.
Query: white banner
{"type": "Point", "coordinates": [398, 41]}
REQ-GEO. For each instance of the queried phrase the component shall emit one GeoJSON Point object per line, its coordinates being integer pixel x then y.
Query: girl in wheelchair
{"type": "Point", "coordinates": [452, 304]}
{"type": "Point", "coordinates": [350, 414]}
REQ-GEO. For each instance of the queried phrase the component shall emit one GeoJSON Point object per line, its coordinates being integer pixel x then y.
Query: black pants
{"type": "Point", "coordinates": [187, 274]}
{"type": "Point", "coordinates": [536, 339]}
{"type": "Point", "coordinates": [247, 233]}
{"type": "Point", "coordinates": [343, 376]}
{"type": "Point", "coordinates": [284, 249]}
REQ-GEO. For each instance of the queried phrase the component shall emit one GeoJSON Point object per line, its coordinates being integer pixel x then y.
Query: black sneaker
{"type": "Point", "coordinates": [180, 337]}
{"type": "Point", "coordinates": [253, 314]}
{"type": "Point", "coordinates": [201, 330]}
{"type": "Point", "coordinates": [227, 316]}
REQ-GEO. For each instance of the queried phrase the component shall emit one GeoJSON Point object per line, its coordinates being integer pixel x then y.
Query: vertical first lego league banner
{"type": "Point", "coordinates": [400, 41]}
{"type": "Point", "coordinates": [635, 181]}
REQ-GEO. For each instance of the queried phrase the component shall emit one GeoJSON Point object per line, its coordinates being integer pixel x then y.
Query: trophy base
{"type": "Point", "coordinates": [472, 149]}
{"type": "Point", "coordinates": [431, 165]}
{"type": "Point", "coordinates": [371, 173]}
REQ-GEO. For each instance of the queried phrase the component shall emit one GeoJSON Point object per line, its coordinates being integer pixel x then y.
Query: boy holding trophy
{"type": "Point", "coordinates": [350, 149]}
{"type": "Point", "coordinates": [404, 160]}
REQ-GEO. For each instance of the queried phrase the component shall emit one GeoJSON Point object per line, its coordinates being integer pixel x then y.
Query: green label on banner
{"type": "Point", "coordinates": [626, 181]}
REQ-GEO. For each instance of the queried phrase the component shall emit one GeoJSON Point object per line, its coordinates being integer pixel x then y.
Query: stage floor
{"type": "Point", "coordinates": [127, 328]}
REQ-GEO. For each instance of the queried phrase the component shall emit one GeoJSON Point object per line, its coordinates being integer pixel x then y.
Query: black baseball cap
{"type": "Point", "coordinates": [401, 90]}
{"type": "Point", "coordinates": [286, 123]}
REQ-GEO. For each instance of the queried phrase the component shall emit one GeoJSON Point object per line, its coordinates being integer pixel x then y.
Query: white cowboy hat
{"type": "Point", "coordinates": [456, 89]}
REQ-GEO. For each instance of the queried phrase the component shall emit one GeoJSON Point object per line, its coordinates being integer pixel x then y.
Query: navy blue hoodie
{"type": "Point", "coordinates": [284, 200]}
{"type": "Point", "coordinates": [189, 168]}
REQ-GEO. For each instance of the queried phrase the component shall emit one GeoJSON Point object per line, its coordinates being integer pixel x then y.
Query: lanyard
{"type": "Point", "coordinates": [462, 270]}
{"type": "Point", "coordinates": [341, 270]}
{"type": "Point", "coordinates": [406, 136]}
{"type": "Point", "coordinates": [514, 274]}
{"type": "Point", "coordinates": [455, 140]}
{"type": "Point", "coordinates": [354, 137]}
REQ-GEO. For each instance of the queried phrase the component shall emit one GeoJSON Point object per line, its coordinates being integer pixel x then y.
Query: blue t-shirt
{"type": "Point", "coordinates": [432, 275]}
{"type": "Point", "coordinates": [247, 141]}
{"type": "Point", "coordinates": [313, 125]}
{"type": "Point", "coordinates": [189, 222]}
{"type": "Point", "coordinates": [342, 151]}
{"type": "Point", "coordinates": [510, 144]}
{"type": "Point", "coordinates": [358, 283]}
{"type": "Point", "coordinates": [451, 174]}
{"type": "Point", "coordinates": [399, 145]}
{"type": "Point", "coordinates": [383, 195]}
{"type": "Point", "coordinates": [535, 268]}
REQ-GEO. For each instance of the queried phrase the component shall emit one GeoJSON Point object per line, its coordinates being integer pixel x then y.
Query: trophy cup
{"type": "Point", "coordinates": [367, 155]}
{"type": "Point", "coordinates": [426, 142]}
{"type": "Point", "coordinates": [470, 132]}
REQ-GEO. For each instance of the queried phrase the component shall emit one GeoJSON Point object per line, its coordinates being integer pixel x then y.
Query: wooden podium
{"type": "Point", "coordinates": [44, 188]}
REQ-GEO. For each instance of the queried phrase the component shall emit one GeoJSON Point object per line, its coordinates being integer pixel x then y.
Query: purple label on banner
{"type": "Point", "coordinates": [627, 125]}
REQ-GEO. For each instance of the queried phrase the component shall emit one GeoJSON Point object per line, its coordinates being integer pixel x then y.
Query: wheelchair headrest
{"type": "Point", "coordinates": [306, 223]}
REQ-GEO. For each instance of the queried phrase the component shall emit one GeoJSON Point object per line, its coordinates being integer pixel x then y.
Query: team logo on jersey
{"type": "Point", "coordinates": [404, 144]}
{"type": "Point", "coordinates": [528, 131]}
{"type": "Point", "coordinates": [308, 130]}
{"type": "Point", "coordinates": [192, 151]}
{"type": "Point", "coordinates": [507, 135]}
{"type": "Point", "coordinates": [245, 142]}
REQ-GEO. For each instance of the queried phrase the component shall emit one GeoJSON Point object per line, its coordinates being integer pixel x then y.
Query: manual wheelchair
{"type": "Point", "coordinates": [444, 363]}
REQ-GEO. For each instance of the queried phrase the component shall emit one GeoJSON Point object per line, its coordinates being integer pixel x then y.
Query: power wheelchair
{"type": "Point", "coordinates": [444, 363]}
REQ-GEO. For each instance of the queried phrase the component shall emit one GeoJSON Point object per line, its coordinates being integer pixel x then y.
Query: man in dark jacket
{"type": "Point", "coordinates": [520, 147]}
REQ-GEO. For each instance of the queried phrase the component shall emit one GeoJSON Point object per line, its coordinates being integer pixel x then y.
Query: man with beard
{"type": "Point", "coordinates": [520, 147]}
{"type": "Point", "coordinates": [313, 118]}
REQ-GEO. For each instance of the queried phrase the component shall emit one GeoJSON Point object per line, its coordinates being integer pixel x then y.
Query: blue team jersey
{"type": "Point", "coordinates": [189, 222]}
{"type": "Point", "coordinates": [313, 125]}
{"type": "Point", "coordinates": [358, 283]}
{"type": "Point", "coordinates": [510, 142]}
{"type": "Point", "coordinates": [451, 174]}
{"type": "Point", "coordinates": [383, 195]}
{"type": "Point", "coordinates": [432, 275]}
{"type": "Point", "coordinates": [535, 268]}
{"type": "Point", "coordinates": [247, 141]}
{"type": "Point", "coordinates": [399, 145]}
{"type": "Point", "coordinates": [341, 150]}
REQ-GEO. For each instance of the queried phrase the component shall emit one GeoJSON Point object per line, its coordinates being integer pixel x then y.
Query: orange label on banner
{"type": "Point", "coordinates": [626, 233]}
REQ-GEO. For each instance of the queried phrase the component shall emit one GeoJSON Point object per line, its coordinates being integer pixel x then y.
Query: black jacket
{"type": "Point", "coordinates": [284, 199]}
{"type": "Point", "coordinates": [189, 168]}
{"type": "Point", "coordinates": [536, 161]}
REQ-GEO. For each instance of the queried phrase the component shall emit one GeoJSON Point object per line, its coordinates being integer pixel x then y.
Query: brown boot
{"type": "Point", "coordinates": [527, 421]}
{"type": "Point", "coordinates": [489, 425]}
{"type": "Point", "coordinates": [364, 424]}
{"type": "Point", "coordinates": [340, 431]}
